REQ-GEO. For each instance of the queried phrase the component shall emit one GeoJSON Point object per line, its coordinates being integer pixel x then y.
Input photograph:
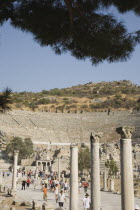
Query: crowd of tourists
{"type": "Point", "coordinates": [51, 183]}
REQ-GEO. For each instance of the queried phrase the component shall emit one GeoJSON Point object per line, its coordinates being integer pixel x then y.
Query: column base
{"type": "Point", "coordinates": [105, 189]}
{"type": "Point", "coordinates": [13, 192]}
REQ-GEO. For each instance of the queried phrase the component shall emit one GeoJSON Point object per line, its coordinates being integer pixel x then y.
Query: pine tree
{"type": "Point", "coordinates": [77, 26]}
{"type": "Point", "coordinates": [5, 100]}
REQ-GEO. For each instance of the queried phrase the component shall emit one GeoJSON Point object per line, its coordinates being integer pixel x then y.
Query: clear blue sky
{"type": "Point", "coordinates": [25, 66]}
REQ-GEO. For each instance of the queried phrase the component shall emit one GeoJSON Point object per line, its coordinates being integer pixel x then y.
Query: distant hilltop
{"type": "Point", "coordinates": [90, 97]}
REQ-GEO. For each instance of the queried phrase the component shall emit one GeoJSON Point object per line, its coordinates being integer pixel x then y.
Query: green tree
{"type": "Point", "coordinates": [25, 148]}
{"type": "Point", "coordinates": [84, 159]}
{"type": "Point", "coordinates": [77, 26]}
{"type": "Point", "coordinates": [5, 100]}
{"type": "Point", "coordinates": [111, 165]}
{"type": "Point", "coordinates": [33, 106]}
{"type": "Point", "coordinates": [43, 101]}
{"type": "Point", "coordinates": [29, 147]}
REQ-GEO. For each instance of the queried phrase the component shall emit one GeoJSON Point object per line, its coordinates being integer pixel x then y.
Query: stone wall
{"type": "Point", "coordinates": [66, 127]}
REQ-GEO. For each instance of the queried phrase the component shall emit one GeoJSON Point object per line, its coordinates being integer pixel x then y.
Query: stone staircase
{"type": "Point", "coordinates": [4, 165]}
{"type": "Point", "coordinates": [67, 127]}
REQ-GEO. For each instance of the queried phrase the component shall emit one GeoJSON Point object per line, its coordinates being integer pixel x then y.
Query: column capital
{"type": "Point", "coordinates": [16, 152]}
{"type": "Point", "coordinates": [73, 145]}
{"type": "Point", "coordinates": [125, 131]}
{"type": "Point", "coordinates": [94, 138]}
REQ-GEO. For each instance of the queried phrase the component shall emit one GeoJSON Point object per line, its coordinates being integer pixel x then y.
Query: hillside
{"type": "Point", "coordinates": [122, 95]}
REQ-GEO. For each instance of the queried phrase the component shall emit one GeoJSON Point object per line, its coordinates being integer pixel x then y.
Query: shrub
{"type": "Point", "coordinates": [43, 101]}
{"type": "Point", "coordinates": [25, 148]}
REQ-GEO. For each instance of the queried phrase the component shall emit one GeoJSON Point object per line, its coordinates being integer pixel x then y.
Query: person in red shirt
{"type": "Point", "coordinates": [28, 182]}
{"type": "Point", "coordinates": [85, 186]}
{"type": "Point", "coordinates": [45, 191]}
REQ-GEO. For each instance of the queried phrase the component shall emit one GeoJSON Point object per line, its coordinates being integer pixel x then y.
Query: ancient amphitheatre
{"type": "Point", "coordinates": [59, 130]}
{"type": "Point", "coordinates": [67, 127]}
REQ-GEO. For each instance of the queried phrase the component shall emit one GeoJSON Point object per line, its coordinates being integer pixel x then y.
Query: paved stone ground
{"type": "Point", "coordinates": [109, 201]}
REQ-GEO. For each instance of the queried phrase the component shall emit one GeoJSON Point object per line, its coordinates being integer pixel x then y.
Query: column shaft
{"type": "Point", "coordinates": [112, 185]}
{"type": "Point", "coordinates": [74, 178]}
{"type": "Point", "coordinates": [127, 192]}
{"type": "Point", "coordinates": [105, 188]}
{"type": "Point", "coordinates": [14, 178]}
{"type": "Point", "coordinates": [59, 168]}
{"type": "Point", "coordinates": [95, 176]}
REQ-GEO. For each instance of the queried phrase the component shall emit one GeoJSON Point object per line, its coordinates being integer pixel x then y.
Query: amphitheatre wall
{"type": "Point", "coordinates": [46, 127]}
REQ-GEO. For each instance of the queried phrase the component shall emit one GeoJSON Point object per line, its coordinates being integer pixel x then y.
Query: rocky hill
{"type": "Point", "coordinates": [90, 97]}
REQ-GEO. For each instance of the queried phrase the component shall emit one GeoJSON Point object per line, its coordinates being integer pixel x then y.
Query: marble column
{"type": "Point", "coordinates": [41, 166]}
{"type": "Point", "coordinates": [127, 191]}
{"type": "Point", "coordinates": [105, 188]}
{"type": "Point", "coordinates": [14, 178]}
{"type": "Point", "coordinates": [74, 177]}
{"type": "Point", "coordinates": [59, 168]}
{"type": "Point", "coordinates": [95, 172]}
{"type": "Point", "coordinates": [112, 185]}
{"type": "Point", "coordinates": [1, 178]}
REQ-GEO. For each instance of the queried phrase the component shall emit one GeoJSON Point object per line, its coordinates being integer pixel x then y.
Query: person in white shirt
{"type": "Point", "coordinates": [61, 198]}
{"type": "Point", "coordinates": [56, 191]}
{"type": "Point", "coordinates": [136, 207]}
{"type": "Point", "coordinates": [86, 202]}
{"type": "Point", "coordinates": [65, 186]}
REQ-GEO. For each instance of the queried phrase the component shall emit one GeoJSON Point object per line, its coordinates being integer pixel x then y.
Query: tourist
{"type": "Point", "coordinates": [52, 186]}
{"type": "Point", "coordinates": [23, 184]}
{"type": "Point", "coordinates": [28, 182]}
{"type": "Point", "coordinates": [45, 193]}
{"type": "Point", "coordinates": [85, 186]}
{"type": "Point", "coordinates": [34, 182]}
{"type": "Point", "coordinates": [80, 186]}
{"type": "Point", "coordinates": [46, 180]}
{"type": "Point", "coordinates": [65, 186]}
{"type": "Point", "coordinates": [86, 202]}
{"type": "Point", "coordinates": [56, 191]}
{"type": "Point", "coordinates": [3, 174]}
{"type": "Point", "coordinates": [61, 198]}
{"type": "Point", "coordinates": [136, 207]}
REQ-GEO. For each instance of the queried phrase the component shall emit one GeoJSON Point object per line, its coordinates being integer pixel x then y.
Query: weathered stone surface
{"type": "Point", "coordinates": [95, 137]}
{"type": "Point", "coordinates": [14, 180]}
{"type": "Point", "coordinates": [36, 205]}
{"type": "Point", "coordinates": [127, 191]}
{"type": "Point", "coordinates": [63, 126]}
{"type": "Point", "coordinates": [47, 206]}
{"type": "Point", "coordinates": [5, 207]}
{"type": "Point", "coordinates": [125, 131]}
{"type": "Point", "coordinates": [12, 208]}
{"type": "Point", "coordinates": [74, 177]}
{"type": "Point", "coordinates": [95, 172]}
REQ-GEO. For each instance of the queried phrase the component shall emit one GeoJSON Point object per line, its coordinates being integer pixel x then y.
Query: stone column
{"type": "Point", "coordinates": [74, 177]}
{"type": "Point", "coordinates": [105, 188]}
{"type": "Point", "coordinates": [41, 166]}
{"type": "Point", "coordinates": [1, 177]}
{"type": "Point", "coordinates": [59, 168]}
{"type": "Point", "coordinates": [112, 185]}
{"type": "Point", "coordinates": [95, 172]}
{"type": "Point", "coordinates": [127, 191]}
{"type": "Point", "coordinates": [14, 178]}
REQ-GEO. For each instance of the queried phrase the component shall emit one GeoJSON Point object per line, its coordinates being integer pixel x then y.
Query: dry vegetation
{"type": "Point", "coordinates": [88, 97]}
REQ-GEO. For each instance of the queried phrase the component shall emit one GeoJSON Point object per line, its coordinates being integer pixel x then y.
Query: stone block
{"type": "Point", "coordinates": [59, 208]}
{"type": "Point", "coordinates": [36, 205]}
{"type": "Point", "coordinates": [5, 207]}
{"type": "Point", "coordinates": [136, 193]}
{"type": "Point", "coordinates": [47, 206]}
